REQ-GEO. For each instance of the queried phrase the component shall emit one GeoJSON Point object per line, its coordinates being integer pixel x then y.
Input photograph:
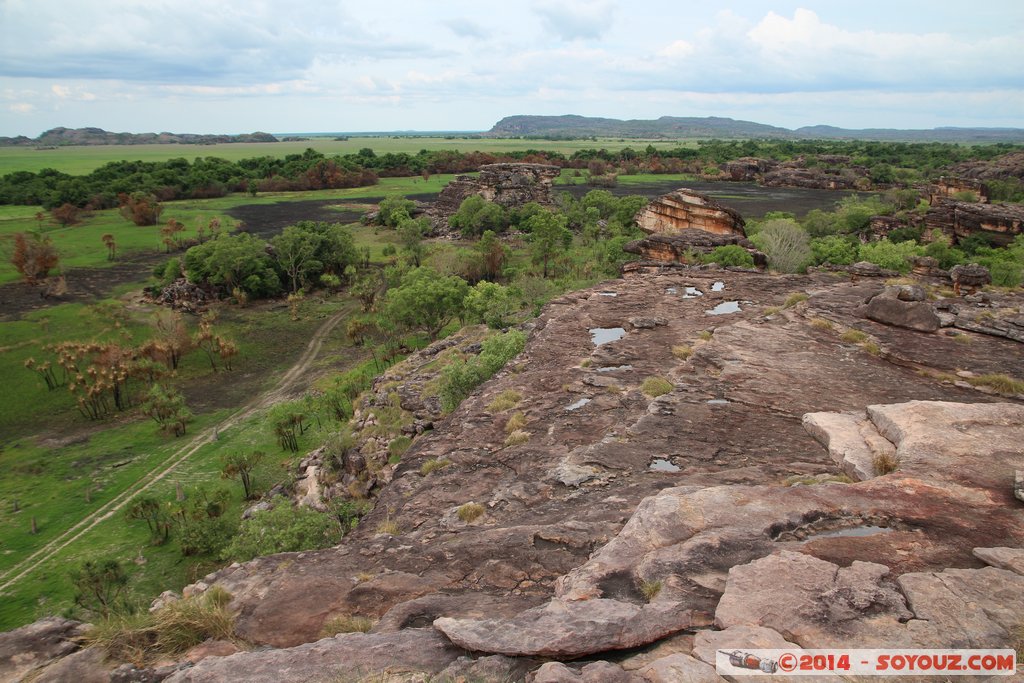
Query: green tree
{"type": "Point", "coordinates": [295, 251]}
{"type": "Point", "coordinates": [99, 586]}
{"type": "Point", "coordinates": [786, 245]}
{"type": "Point", "coordinates": [476, 214]}
{"type": "Point", "coordinates": [549, 237]}
{"type": "Point", "coordinates": [491, 304]}
{"type": "Point", "coordinates": [730, 255]}
{"type": "Point", "coordinates": [148, 509]}
{"type": "Point", "coordinates": [834, 249]}
{"type": "Point", "coordinates": [283, 529]}
{"type": "Point", "coordinates": [167, 408]}
{"type": "Point", "coordinates": [241, 466]}
{"type": "Point", "coordinates": [493, 254]}
{"type": "Point", "coordinates": [426, 300]}
{"type": "Point", "coordinates": [411, 233]}
{"type": "Point", "coordinates": [395, 209]}
{"type": "Point", "coordinates": [231, 261]}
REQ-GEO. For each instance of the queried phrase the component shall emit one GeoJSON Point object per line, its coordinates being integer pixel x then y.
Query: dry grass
{"type": "Point", "coordinates": [388, 527]}
{"type": "Point", "coordinates": [654, 387]}
{"type": "Point", "coordinates": [650, 589]}
{"type": "Point", "coordinates": [682, 352]}
{"type": "Point", "coordinates": [348, 623]}
{"type": "Point", "coordinates": [1001, 384]}
{"type": "Point", "coordinates": [884, 463]}
{"type": "Point", "coordinates": [822, 324]}
{"type": "Point", "coordinates": [963, 339]}
{"type": "Point", "coordinates": [504, 401]}
{"type": "Point", "coordinates": [515, 422]}
{"type": "Point", "coordinates": [470, 512]}
{"type": "Point", "coordinates": [772, 310]}
{"type": "Point", "coordinates": [853, 336]}
{"type": "Point", "coordinates": [872, 348]}
{"type": "Point", "coordinates": [706, 335]}
{"type": "Point", "coordinates": [795, 298]}
{"type": "Point", "coordinates": [517, 438]}
{"type": "Point", "coordinates": [169, 632]}
{"type": "Point", "coordinates": [433, 465]}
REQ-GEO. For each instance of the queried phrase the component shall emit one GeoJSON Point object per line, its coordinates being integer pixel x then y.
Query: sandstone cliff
{"type": "Point", "coordinates": [510, 185]}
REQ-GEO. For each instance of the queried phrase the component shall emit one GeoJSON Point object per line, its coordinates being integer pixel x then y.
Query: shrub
{"type": "Point", "coordinates": [786, 245]}
{"type": "Point", "coordinates": [884, 463]}
{"type": "Point", "coordinates": [504, 401]}
{"type": "Point", "coordinates": [834, 249]}
{"type": "Point", "coordinates": [655, 386]}
{"type": "Point", "coordinates": [894, 256]}
{"type": "Point", "coordinates": [470, 512]}
{"type": "Point", "coordinates": [460, 378]}
{"type": "Point", "coordinates": [730, 255]}
{"type": "Point", "coordinates": [282, 529]}
{"type": "Point", "coordinates": [650, 589]}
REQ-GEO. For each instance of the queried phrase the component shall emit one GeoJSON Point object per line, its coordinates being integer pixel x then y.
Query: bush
{"type": "Point", "coordinates": [786, 245]}
{"type": "Point", "coordinates": [889, 255]}
{"type": "Point", "coordinates": [460, 378]}
{"type": "Point", "coordinates": [476, 214]}
{"type": "Point", "coordinates": [840, 251]}
{"type": "Point", "coordinates": [282, 529]}
{"type": "Point", "coordinates": [731, 255]}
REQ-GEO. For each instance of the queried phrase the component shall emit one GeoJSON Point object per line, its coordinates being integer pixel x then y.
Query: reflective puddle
{"type": "Point", "coordinates": [718, 286]}
{"type": "Point", "coordinates": [857, 531]}
{"type": "Point", "coordinates": [662, 465]}
{"type": "Point", "coordinates": [718, 402]}
{"type": "Point", "coordinates": [724, 308]}
{"type": "Point", "coordinates": [692, 293]}
{"type": "Point", "coordinates": [577, 405]}
{"type": "Point", "coordinates": [615, 368]}
{"type": "Point", "coordinates": [608, 293]}
{"type": "Point", "coordinates": [603, 335]}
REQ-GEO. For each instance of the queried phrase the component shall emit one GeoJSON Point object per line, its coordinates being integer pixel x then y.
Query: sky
{"type": "Point", "coordinates": [234, 66]}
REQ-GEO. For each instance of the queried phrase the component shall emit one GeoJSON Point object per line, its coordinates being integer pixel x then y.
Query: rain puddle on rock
{"type": "Point", "coordinates": [724, 308]}
{"type": "Point", "coordinates": [718, 402]}
{"type": "Point", "coordinates": [577, 405]}
{"type": "Point", "coordinates": [608, 293]}
{"type": "Point", "coordinates": [692, 293]}
{"type": "Point", "coordinates": [718, 286]}
{"type": "Point", "coordinates": [603, 335]}
{"type": "Point", "coordinates": [662, 465]}
{"type": "Point", "coordinates": [671, 290]}
{"type": "Point", "coordinates": [857, 531]}
{"type": "Point", "coordinates": [614, 368]}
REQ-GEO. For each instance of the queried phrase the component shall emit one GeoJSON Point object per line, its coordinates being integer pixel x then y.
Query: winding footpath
{"type": "Point", "coordinates": [287, 382]}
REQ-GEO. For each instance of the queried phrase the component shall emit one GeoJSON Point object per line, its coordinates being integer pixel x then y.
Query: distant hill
{"type": "Point", "coordinates": [64, 137]}
{"type": "Point", "coordinates": [572, 125]}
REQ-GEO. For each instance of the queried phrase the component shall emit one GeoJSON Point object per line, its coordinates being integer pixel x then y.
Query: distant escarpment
{"type": "Point", "coordinates": [67, 137]}
{"type": "Point", "coordinates": [676, 127]}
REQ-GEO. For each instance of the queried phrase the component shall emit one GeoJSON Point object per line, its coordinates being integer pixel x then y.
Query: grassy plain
{"type": "Point", "coordinates": [82, 160]}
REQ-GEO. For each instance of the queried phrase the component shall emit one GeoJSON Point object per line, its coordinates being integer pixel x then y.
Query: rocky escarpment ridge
{"type": "Point", "coordinates": [1001, 223]}
{"type": "Point", "coordinates": [60, 137]}
{"type": "Point", "coordinates": [509, 184]}
{"type": "Point", "coordinates": [822, 172]}
{"type": "Point", "coordinates": [629, 536]}
{"type": "Point", "coordinates": [1006, 166]}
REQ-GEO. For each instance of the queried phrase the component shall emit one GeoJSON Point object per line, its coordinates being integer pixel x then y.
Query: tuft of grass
{"type": "Point", "coordinates": [363, 577]}
{"type": "Point", "coordinates": [1001, 384]}
{"type": "Point", "coordinates": [586, 363]}
{"type": "Point", "coordinates": [169, 632]}
{"type": "Point", "coordinates": [504, 401]}
{"type": "Point", "coordinates": [655, 386]}
{"type": "Point", "coordinates": [650, 589]}
{"type": "Point", "coordinates": [516, 422]}
{"type": "Point", "coordinates": [963, 339]}
{"type": "Point", "coordinates": [398, 446]}
{"type": "Point", "coordinates": [772, 310]}
{"type": "Point", "coordinates": [822, 324]}
{"type": "Point", "coordinates": [517, 438]}
{"type": "Point", "coordinates": [884, 463]}
{"type": "Point", "coordinates": [389, 527]}
{"type": "Point", "coordinates": [433, 465]}
{"type": "Point", "coordinates": [348, 623]}
{"type": "Point", "coordinates": [795, 298]}
{"type": "Point", "coordinates": [872, 348]}
{"type": "Point", "coordinates": [470, 512]}
{"type": "Point", "coordinates": [706, 335]}
{"type": "Point", "coordinates": [853, 336]}
{"type": "Point", "coordinates": [682, 352]}
{"type": "Point", "coordinates": [813, 481]}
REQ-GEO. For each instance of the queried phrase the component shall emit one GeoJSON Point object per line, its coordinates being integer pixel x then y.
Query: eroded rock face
{"type": "Point", "coordinates": [685, 209]}
{"type": "Point", "coordinates": [508, 184]}
{"type": "Point", "coordinates": [676, 247]}
{"type": "Point", "coordinates": [1001, 223]}
{"type": "Point", "coordinates": [31, 648]}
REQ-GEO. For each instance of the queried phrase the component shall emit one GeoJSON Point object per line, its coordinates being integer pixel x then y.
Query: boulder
{"type": "Point", "coordinates": [33, 647]}
{"type": "Point", "coordinates": [970, 276]}
{"type": "Point", "coordinates": [509, 184]}
{"type": "Point", "coordinates": [685, 209]}
{"type": "Point", "coordinates": [897, 306]}
{"type": "Point", "coordinates": [595, 672]}
{"type": "Point", "coordinates": [1010, 559]}
{"type": "Point", "coordinates": [677, 668]}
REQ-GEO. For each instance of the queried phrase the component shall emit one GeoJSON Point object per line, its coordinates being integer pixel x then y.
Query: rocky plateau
{"type": "Point", "coordinates": [798, 485]}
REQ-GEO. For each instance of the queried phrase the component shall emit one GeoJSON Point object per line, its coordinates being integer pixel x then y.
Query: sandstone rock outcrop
{"type": "Point", "coordinates": [1001, 223]}
{"type": "Point", "coordinates": [747, 168]}
{"type": "Point", "coordinates": [675, 248]}
{"type": "Point", "coordinates": [948, 187]}
{"type": "Point", "coordinates": [511, 185]}
{"type": "Point", "coordinates": [684, 209]}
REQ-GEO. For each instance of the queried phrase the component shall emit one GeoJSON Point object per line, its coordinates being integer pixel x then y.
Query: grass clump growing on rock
{"type": "Point", "coordinates": [517, 438]}
{"type": "Point", "coordinates": [398, 446]}
{"type": "Point", "coordinates": [884, 463]}
{"type": "Point", "coordinates": [460, 378]}
{"type": "Point", "coordinates": [348, 623]}
{"type": "Point", "coordinates": [505, 400]}
{"type": "Point", "coordinates": [433, 465]}
{"type": "Point", "coordinates": [822, 324]}
{"type": "Point", "coordinates": [516, 422]}
{"type": "Point", "coordinates": [470, 512]}
{"type": "Point", "coordinates": [853, 336]}
{"type": "Point", "coordinates": [650, 589]}
{"type": "Point", "coordinates": [682, 352]}
{"type": "Point", "coordinates": [654, 387]}
{"type": "Point", "coordinates": [1002, 384]}
{"type": "Point", "coordinates": [794, 298]}
{"type": "Point", "coordinates": [705, 335]}
{"type": "Point", "coordinates": [168, 632]}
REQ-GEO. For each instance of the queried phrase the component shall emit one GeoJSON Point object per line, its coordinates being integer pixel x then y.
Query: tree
{"type": "Point", "coordinates": [549, 237]}
{"type": "Point", "coordinates": [295, 250]}
{"type": "Point", "coordinates": [410, 233]}
{"type": "Point", "coordinates": [66, 214]}
{"type": "Point", "coordinates": [140, 208]}
{"type": "Point", "coordinates": [167, 408]}
{"type": "Point", "coordinates": [393, 210]}
{"type": "Point", "coordinates": [34, 256]}
{"type": "Point", "coordinates": [171, 233]}
{"type": "Point", "coordinates": [493, 254]}
{"type": "Point", "coordinates": [476, 214]}
{"type": "Point", "coordinates": [491, 304]}
{"type": "Point", "coordinates": [148, 509]}
{"type": "Point", "coordinates": [231, 261]}
{"type": "Point", "coordinates": [426, 300]}
{"type": "Point", "coordinates": [241, 466]}
{"type": "Point", "coordinates": [786, 245]}
{"type": "Point", "coordinates": [99, 585]}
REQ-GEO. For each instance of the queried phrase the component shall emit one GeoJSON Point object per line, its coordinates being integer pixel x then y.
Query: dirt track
{"type": "Point", "coordinates": [278, 393]}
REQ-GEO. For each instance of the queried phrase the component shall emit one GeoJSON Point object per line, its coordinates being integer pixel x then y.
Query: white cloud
{"type": "Point", "coordinates": [677, 49]}
{"type": "Point", "coordinates": [576, 19]}
{"type": "Point", "coordinates": [21, 107]}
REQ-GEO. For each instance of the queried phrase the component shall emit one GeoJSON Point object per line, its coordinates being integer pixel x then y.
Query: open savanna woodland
{"type": "Point", "coordinates": [471, 410]}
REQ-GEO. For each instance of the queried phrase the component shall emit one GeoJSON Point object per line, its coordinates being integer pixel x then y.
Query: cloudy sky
{"type": "Point", "coordinates": [229, 66]}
